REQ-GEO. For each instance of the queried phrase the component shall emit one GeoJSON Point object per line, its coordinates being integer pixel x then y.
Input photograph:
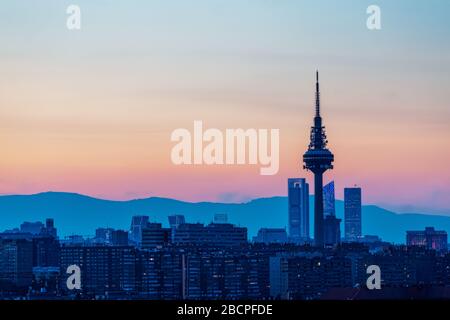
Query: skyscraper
{"type": "Point", "coordinates": [332, 230]}
{"type": "Point", "coordinates": [154, 235]}
{"type": "Point", "coordinates": [318, 159]}
{"type": "Point", "coordinates": [298, 210]}
{"type": "Point", "coordinates": [331, 225]}
{"type": "Point", "coordinates": [352, 213]}
{"type": "Point", "coordinates": [328, 200]}
{"type": "Point", "coordinates": [137, 224]}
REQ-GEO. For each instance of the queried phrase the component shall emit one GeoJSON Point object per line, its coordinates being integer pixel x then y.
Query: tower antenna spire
{"type": "Point", "coordinates": [317, 95]}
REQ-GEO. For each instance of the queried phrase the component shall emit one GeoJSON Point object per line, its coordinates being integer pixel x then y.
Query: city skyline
{"type": "Point", "coordinates": [97, 116]}
{"type": "Point", "coordinates": [185, 261]}
{"type": "Point", "coordinates": [186, 157]}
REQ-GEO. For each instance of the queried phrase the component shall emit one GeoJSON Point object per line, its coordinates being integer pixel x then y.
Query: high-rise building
{"type": "Point", "coordinates": [45, 251]}
{"type": "Point", "coordinates": [352, 213]}
{"type": "Point", "coordinates": [105, 270]}
{"type": "Point", "coordinates": [307, 276]}
{"type": "Point", "coordinates": [137, 224]}
{"type": "Point", "coordinates": [149, 274]}
{"type": "Point", "coordinates": [224, 274]}
{"type": "Point", "coordinates": [49, 229]}
{"type": "Point", "coordinates": [271, 235]}
{"type": "Point", "coordinates": [331, 225]}
{"type": "Point", "coordinates": [173, 272]}
{"type": "Point", "coordinates": [332, 230]}
{"type": "Point", "coordinates": [329, 200]}
{"type": "Point", "coordinates": [16, 263]}
{"type": "Point", "coordinates": [119, 238]}
{"type": "Point", "coordinates": [154, 235]}
{"type": "Point", "coordinates": [428, 238]}
{"type": "Point", "coordinates": [318, 159]}
{"type": "Point", "coordinates": [45, 280]}
{"type": "Point", "coordinates": [298, 210]}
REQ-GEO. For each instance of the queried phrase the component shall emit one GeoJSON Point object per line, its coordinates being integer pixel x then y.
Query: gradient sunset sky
{"type": "Point", "coordinates": [91, 111]}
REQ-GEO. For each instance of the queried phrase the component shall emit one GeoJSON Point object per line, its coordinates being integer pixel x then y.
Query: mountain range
{"type": "Point", "coordinates": [79, 214]}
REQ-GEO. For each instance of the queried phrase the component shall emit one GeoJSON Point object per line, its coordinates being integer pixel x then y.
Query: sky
{"type": "Point", "coordinates": [92, 110]}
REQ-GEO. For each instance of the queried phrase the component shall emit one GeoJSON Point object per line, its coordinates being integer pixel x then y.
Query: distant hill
{"type": "Point", "coordinates": [79, 214]}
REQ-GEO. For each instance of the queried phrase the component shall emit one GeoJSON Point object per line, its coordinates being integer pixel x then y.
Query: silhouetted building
{"type": "Point", "coordinates": [45, 251]}
{"type": "Point", "coordinates": [16, 234]}
{"type": "Point", "coordinates": [16, 263]}
{"type": "Point", "coordinates": [225, 234]}
{"type": "Point", "coordinates": [352, 213]}
{"type": "Point", "coordinates": [308, 276]}
{"type": "Point", "coordinates": [150, 274]}
{"type": "Point", "coordinates": [34, 228]}
{"type": "Point", "coordinates": [225, 274]}
{"type": "Point", "coordinates": [49, 229]}
{"type": "Point", "coordinates": [38, 228]}
{"type": "Point", "coordinates": [46, 280]}
{"type": "Point", "coordinates": [161, 275]}
{"type": "Point", "coordinates": [331, 225]}
{"type": "Point", "coordinates": [137, 224]}
{"type": "Point", "coordinates": [428, 238]}
{"type": "Point", "coordinates": [105, 270]}
{"type": "Point", "coordinates": [214, 234]}
{"type": "Point", "coordinates": [298, 210]}
{"type": "Point", "coordinates": [332, 230]}
{"type": "Point", "coordinates": [271, 235]}
{"type": "Point", "coordinates": [154, 235]}
{"type": "Point", "coordinates": [406, 266]}
{"type": "Point", "coordinates": [119, 238]}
